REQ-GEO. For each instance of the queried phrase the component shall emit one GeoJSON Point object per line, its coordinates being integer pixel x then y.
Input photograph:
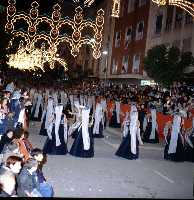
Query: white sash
{"type": "Point", "coordinates": [133, 130]}
{"type": "Point", "coordinates": [21, 116]}
{"type": "Point", "coordinates": [71, 101]}
{"type": "Point", "coordinates": [174, 134]}
{"type": "Point", "coordinates": [34, 100]}
{"type": "Point", "coordinates": [39, 101]}
{"type": "Point", "coordinates": [118, 111]}
{"type": "Point", "coordinates": [49, 113]}
{"type": "Point", "coordinates": [58, 112]}
{"type": "Point", "coordinates": [65, 129]}
{"type": "Point", "coordinates": [55, 99]}
{"type": "Point", "coordinates": [126, 125]}
{"type": "Point", "coordinates": [85, 133]}
{"type": "Point", "coordinates": [98, 117]}
{"type": "Point", "coordinates": [153, 132]}
{"type": "Point", "coordinates": [49, 130]}
{"type": "Point", "coordinates": [145, 123]}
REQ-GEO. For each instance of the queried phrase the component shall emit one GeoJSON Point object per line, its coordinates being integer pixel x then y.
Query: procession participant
{"type": "Point", "coordinates": [189, 144]}
{"type": "Point", "coordinates": [115, 119]}
{"type": "Point", "coordinates": [47, 114]}
{"type": "Point", "coordinates": [38, 108]}
{"type": "Point", "coordinates": [150, 127]}
{"type": "Point", "coordinates": [4, 115]}
{"type": "Point", "coordinates": [83, 145]}
{"type": "Point", "coordinates": [56, 143]}
{"type": "Point", "coordinates": [129, 147]}
{"type": "Point", "coordinates": [174, 149]}
{"type": "Point", "coordinates": [98, 121]}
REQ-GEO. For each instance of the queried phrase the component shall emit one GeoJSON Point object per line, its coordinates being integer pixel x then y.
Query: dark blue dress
{"type": "Point", "coordinates": [124, 149]}
{"type": "Point", "coordinates": [39, 114]}
{"type": "Point", "coordinates": [113, 121]}
{"type": "Point", "coordinates": [189, 151]}
{"type": "Point", "coordinates": [179, 154]}
{"type": "Point", "coordinates": [50, 145]}
{"type": "Point", "coordinates": [43, 131]}
{"type": "Point", "coordinates": [77, 148]}
{"type": "Point", "coordinates": [147, 133]}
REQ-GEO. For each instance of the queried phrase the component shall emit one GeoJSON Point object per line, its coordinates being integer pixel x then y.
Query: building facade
{"type": "Point", "coordinates": [129, 42]}
{"type": "Point", "coordinates": [171, 26]}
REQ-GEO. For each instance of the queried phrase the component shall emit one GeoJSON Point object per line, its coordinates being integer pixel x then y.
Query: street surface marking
{"type": "Point", "coordinates": [163, 176]}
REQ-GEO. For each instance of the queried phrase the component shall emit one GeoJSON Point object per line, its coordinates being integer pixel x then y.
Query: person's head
{"type": "Point", "coordinates": [19, 133]}
{"type": "Point", "coordinates": [31, 164]}
{"type": "Point", "coordinates": [37, 154]}
{"type": "Point", "coordinates": [14, 163]}
{"type": "Point", "coordinates": [4, 102]}
{"type": "Point", "coordinates": [10, 133]}
{"type": "Point", "coordinates": [7, 181]}
{"type": "Point", "coordinates": [7, 94]}
{"type": "Point", "coordinates": [26, 134]}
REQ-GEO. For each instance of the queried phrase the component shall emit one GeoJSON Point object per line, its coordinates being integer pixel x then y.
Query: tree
{"type": "Point", "coordinates": [166, 65]}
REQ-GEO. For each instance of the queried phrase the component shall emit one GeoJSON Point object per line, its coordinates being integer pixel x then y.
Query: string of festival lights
{"type": "Point", "coordinates": [185, 5]}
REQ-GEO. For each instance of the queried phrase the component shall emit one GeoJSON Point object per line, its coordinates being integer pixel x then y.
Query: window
{"type": "Point", "coordinates": [186, 45]}
{"type": "Point", "coordinates": [114, 67]}
{"type": "Point", "coordinates": [136, 64]}
{"type": "Point", "coordinates": [169, 17]}
{"type": "Point", "coordinates": [117, 39]}
{"type": "Point", "coordinates": [131, 6]}
{"type": "Point", "coordinates": [168, 24]}
{"type": "Point", "coordinates": [188, 19]}
{"type": "Point", "coordinates": [158, 28]}
{"type": "Point", "coordinates": [139, 30]}
{"type": "Point", "coordinates": [178, 19]}
{"type": "Point", "coordinates": [142, 2]}
{"type": "Point", "coordinates": [128, 37]}
{"type": "Point", "coordinates": [125, 63]}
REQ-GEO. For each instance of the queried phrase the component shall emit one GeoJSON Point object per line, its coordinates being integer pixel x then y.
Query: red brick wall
{"type": "Point", "coordinates": [135, 47]}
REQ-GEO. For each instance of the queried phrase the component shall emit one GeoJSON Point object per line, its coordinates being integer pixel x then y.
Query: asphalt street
{"type": "Point", "coordinates": [106, 175]}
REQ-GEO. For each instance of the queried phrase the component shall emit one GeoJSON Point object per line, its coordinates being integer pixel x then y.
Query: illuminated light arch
{"type": "Point", "coordinates": [55, 22]}
{"type": "Point", "coordinates": [184, 4]}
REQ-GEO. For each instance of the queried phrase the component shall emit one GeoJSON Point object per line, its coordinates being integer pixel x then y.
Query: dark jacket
{"type": "Point", "coordinates": [4, 140]}
{"type": "Point", "coordinates": [27, 182]}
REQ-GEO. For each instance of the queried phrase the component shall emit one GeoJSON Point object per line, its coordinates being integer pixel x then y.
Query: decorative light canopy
{"type": "Point", "coordinates": [185, 5]}
{"type": "Point", "coordinates": [56, 23]}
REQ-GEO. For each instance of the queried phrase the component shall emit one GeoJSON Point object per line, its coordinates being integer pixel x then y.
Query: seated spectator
{"type": "Point", "coordinates": [6, 139]}
{"type": "Point", "coordinates": [45, 188]}
{"type": "Point", "coordinates": [11, 149]}
{"type": "Point", "coordinates": [27, 142]}
{"type": "Point", "coordinates": [14, 163]}
{"type": "Point", "coordinates": [7, 183]}
{"type": "Point", "coordinates": [19, 136]}
{"type": "Point", "coordinates": [28, 184]}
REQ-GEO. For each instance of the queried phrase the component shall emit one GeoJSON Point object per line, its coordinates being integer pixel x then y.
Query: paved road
{"type": "Point", "coordinates": [106, 175]}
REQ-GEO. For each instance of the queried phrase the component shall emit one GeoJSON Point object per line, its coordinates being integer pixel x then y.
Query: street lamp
{"type": "Point", "coordinates": [105, 53]}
